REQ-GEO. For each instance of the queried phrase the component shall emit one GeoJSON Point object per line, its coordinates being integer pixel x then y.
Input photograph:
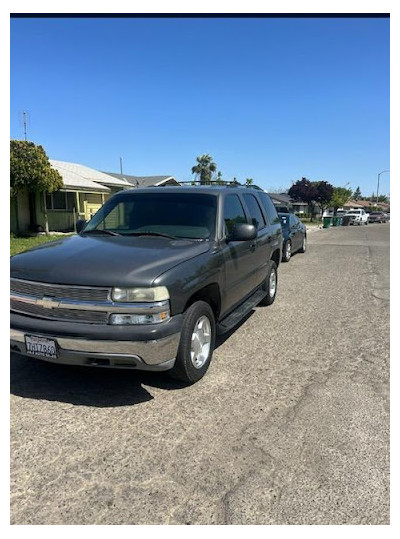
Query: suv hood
{"type": "Point", "coordinates": [104, 260]}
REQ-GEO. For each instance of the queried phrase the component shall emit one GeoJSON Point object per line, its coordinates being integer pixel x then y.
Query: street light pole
{"type": "Point", "coordinates": [377, 189]}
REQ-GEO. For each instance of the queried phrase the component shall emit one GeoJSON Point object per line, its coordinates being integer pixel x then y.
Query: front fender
{"type": "Point", "coordinates": [184, 280]}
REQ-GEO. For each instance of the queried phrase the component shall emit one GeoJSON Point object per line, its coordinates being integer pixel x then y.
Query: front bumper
{"type": "Point", "coordinates": [150, 349]}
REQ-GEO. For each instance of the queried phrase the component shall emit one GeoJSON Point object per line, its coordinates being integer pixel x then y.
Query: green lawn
{"type": "Point", "coordinates": [17, 245]}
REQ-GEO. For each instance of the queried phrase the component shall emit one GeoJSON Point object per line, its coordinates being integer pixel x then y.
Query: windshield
{"type": "Point", "coordinates": [354, 212]}
{"type": "Point", "coordinates": [182, 215]}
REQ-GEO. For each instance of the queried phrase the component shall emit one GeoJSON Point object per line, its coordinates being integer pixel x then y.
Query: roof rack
{"type": "Point", "coordinates": [221, 183]}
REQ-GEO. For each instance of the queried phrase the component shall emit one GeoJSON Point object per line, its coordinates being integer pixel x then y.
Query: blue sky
{"type": "Point", "coordinates": [271, 99]}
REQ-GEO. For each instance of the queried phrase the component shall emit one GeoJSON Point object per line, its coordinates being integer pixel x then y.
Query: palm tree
{"type": "Point", "coordinates": [205, 168]}
{"type": "Point", "coordinates": [219, 180]}
{"type": "Point", "coordinates": [249, 181]}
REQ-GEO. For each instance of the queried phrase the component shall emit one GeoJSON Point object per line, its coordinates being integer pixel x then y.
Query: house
{"type": "Point", "coordinates": [283, 200]}
{"type": "Point", "coordinates": [85, 191]}
{"type": "Point", "coordinates": [371, 203]}
{"type": "Point", "coordinates": [353, 204]}
{"type": "Point", "coordinates": [145, 181]}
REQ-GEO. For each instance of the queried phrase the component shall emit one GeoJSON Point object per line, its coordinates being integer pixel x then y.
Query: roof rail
{"type": "Point", "coordinates": [221, 183]}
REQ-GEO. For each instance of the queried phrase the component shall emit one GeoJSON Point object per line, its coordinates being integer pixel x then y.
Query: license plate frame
{"type": "Point", "coordinates": [43, 347]}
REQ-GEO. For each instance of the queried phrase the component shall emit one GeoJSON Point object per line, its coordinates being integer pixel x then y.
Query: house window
{"type": "Point", "coordinates": [60, 200]}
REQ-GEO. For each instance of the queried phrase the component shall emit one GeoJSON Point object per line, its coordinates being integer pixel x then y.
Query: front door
{"type": "Point", "coordinates": [238, 257]}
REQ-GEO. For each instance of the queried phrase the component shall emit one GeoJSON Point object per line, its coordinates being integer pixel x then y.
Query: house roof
{"type": "Point", "coordinates": [355, 204]}
{"type": "Point", "coordinates": [282, 198]}
{"type": "Point", "coordinates": [285, 199]}
{"type": "Point", "coordinates": [90, 174]}
{"type": "Point", "coordinates": [367, 203]}
{"type": "Point", "coordinates": [144, 181]}
{"type": "Point", "coordinates": [74, 180]}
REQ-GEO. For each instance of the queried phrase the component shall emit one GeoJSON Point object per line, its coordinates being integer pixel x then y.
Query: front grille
{"type": "Point", "coordinates": [80, 293]}
{"type": "Point", "coordinates": [89, 317]}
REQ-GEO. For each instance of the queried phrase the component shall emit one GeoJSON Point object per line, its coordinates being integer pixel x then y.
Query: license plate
{"type": "Point", "coordinates": [41, 347]}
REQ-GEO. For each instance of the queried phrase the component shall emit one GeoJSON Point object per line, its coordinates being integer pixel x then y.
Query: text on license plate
{"type": "Point", "coordinates": [40, 346]}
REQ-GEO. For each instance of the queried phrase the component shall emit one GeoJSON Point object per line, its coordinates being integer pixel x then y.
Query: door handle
{"type": "Point", "coordinates": [252, 247]}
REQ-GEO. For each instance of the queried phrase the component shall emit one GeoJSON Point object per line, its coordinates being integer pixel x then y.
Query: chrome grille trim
{"type": "Point", "coordinates": [31, 309]}
{"type": "Point", "coordinates": [77, 293]}
{"type": "Point", "coordinates": [108, 306]}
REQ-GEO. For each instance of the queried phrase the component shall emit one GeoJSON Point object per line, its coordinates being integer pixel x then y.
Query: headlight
{"type": "Point", "coordinates": [134, 319]}
{"type": "Point", "coordinates": [157, 293]}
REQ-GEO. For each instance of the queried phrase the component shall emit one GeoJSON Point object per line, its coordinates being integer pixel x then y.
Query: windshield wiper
{"type": "Point", "coordinates": [151, 234]}
{"type": "Point", "coordinates": [100, 231]}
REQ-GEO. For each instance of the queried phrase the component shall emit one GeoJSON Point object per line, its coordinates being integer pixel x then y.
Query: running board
{"type": "Point", "coordinates": [240, 312]}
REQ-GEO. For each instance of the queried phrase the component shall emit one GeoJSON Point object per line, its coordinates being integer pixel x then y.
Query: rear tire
{"type": "Point", "coordinates": [270, 284]}
{"type": "Point", "coordinates": [196, 345]}
{"type": "Point", "coordinates": [303, 245]}
{"type": "Point", "coordinates": [287, 251]}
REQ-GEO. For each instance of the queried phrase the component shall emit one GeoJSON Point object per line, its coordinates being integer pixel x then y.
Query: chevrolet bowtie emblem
{"type": "Point", "coordinates": [48, 303]}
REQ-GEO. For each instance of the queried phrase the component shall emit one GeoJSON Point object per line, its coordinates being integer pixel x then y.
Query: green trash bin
{"type": "Point", "coordinates": [337, 220]}
{"type": "Point", "coordinates": [327, 222]}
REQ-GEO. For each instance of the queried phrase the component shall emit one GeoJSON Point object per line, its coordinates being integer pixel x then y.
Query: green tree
{"type": "Point", "coordinates": [204, 169]}
{"type": "Point", "coordinates": [357, 194]}
{"type": "Point", "coordinates": [339, 198]}
{"type": "Point", "coordinates": [323, 194]}
{"type": "Point", "coordinates": [249, 181]}
{"type": "Point", "coordinates": [30, 168]}
{"type": "Point", "coordinates": [304, 191]}
{"type": "Point", "coordinates": [219, 180]}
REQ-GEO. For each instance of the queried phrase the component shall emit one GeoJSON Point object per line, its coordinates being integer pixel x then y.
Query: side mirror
{"type": "Point", "coordinates": [80, 225]}
{"type": "Point", "coordinates": [242, 232]}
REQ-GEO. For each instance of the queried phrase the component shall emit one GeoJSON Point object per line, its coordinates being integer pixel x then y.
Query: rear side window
{"type": "Point", "coordinates": [233, 212]}
{"type": "Point", "coordinates": [256, 215]}
{"type": "Point", "coordinates": [269, 208]}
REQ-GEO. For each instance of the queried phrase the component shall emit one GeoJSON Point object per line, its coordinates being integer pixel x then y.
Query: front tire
{"type": "Point", "coordinates": [270, 284]}
{"type": "Point", "coordinates": [196, 345]}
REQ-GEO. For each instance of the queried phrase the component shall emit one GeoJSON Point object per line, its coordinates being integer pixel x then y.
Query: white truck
{"type": "Point", "coordinates": [361, 217]}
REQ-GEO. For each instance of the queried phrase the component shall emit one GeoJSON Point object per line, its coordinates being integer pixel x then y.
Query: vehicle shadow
{"type": "Point", "coordinates": [87, 386]}
{"type": "Point", "coordinates": [84, 386]}
{"type": "Point", "coordinates": [225, 336]}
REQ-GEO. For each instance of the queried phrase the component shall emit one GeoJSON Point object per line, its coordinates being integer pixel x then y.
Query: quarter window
{"type": "Point", "coordinates": [255, 211]}
{"type": "Point", "coordinates": [269, 208]}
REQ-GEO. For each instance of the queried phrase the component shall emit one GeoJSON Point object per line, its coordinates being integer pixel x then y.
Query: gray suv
{"type": "Point", "coordinates": [149, 280]}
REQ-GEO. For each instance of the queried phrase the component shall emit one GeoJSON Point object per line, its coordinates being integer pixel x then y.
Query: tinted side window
{"type": "Point", "coordinates": [269, 208]}
{"type": "Point", "coordinates": [293, 220]}
{"type": "Point", "coordinates": [255, 211]}
{"type": "Point", "coordinates": [233, 212]}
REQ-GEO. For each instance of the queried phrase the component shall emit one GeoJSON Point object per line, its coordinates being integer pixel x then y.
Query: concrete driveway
{"type": "Point", "coordinates": [289, 426]}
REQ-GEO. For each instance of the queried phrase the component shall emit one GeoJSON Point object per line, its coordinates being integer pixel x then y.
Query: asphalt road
{"type": "Point", "coordinates": [289, 426]}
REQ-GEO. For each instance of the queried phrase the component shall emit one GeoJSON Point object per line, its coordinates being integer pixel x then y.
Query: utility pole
{"type": "Point", "coordinates": [120, 165]}
{"type": "Point", "coordinates": [24, 120]}
{"type": "Point", "coordinates": [377, 189]}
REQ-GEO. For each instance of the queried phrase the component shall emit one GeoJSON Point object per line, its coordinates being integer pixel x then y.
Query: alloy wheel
{"type": "Point", "coordinates": [201, 342]}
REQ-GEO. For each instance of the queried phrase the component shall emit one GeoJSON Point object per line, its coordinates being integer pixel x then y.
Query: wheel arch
{"type": "Point", "coordinates": [210, 294]}
{"type": "Point", "coordinates": [276, 256]}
